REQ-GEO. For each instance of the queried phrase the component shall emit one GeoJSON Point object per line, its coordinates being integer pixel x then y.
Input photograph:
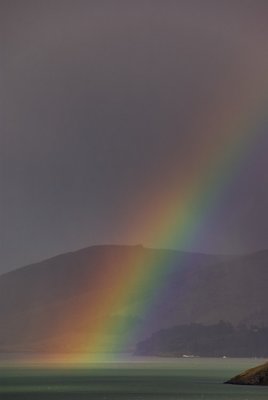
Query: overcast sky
{"type": "Point", "coordinates": [99, 119]}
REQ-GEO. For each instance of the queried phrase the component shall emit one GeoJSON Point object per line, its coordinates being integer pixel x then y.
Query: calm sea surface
{"type": "Point", "coordinates": [138, 379]}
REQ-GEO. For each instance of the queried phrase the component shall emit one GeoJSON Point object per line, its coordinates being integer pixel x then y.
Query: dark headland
{"type": "Point", "coordinates": [253, 376]}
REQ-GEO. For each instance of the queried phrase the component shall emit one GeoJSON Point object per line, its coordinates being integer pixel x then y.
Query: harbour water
{"type": "Point", "coordinates": [135, 379]}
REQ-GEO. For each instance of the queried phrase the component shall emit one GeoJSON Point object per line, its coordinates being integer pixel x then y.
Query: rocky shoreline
{"type": "Point", "coordinates": [253, 376]}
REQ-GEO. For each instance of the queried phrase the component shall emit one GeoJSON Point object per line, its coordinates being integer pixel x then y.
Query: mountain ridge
{"type": "Point", "coordinates": [200, 288]}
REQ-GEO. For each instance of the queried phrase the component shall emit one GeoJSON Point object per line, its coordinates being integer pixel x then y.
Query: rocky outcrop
{"type": "Point", "coordinates": [253, 376]}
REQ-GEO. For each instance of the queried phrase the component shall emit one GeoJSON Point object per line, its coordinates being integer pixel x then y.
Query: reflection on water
{"type": "Point", "coordinates": [27, 378]}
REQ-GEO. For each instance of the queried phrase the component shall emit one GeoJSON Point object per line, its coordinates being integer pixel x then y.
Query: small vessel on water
{"type": "Point", "coordinates": [188, 356]}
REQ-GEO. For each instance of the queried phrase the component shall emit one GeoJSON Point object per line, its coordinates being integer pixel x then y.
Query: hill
{"type": "Point", "coordinates": [40, 303]}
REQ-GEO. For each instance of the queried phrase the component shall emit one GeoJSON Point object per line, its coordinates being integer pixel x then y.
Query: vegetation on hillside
{"type": "Point", "coordinates": [218, 340]}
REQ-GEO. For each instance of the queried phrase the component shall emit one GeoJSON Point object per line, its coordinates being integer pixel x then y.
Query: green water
{"type": "Point", "coordinates": [140, 379]}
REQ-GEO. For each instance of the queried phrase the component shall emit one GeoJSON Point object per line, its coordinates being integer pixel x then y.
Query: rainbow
{"type": "Point", "coordinates": [176, 221]}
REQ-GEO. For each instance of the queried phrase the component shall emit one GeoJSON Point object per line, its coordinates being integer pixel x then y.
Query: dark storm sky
{"type": "Point", "coordinates": [99, 102]}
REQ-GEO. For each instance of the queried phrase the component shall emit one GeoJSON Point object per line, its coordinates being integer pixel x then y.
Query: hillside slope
{"type": "Point", "coordinates": [40, 304]}
{"type": "Point", "coordinates": [217, 340]}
